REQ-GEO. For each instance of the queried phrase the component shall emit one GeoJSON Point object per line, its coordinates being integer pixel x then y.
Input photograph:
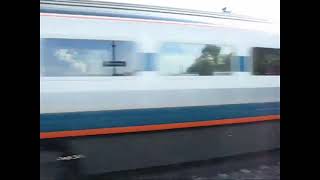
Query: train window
{"type": "Point", "coordinates": [75, 57]}
{"type": "Point", "coordinates": [195, 59]}
{"type": "Point", "coordinates": [266, 61]}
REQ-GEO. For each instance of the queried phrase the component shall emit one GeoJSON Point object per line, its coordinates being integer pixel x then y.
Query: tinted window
{"type": "Point", "coordinates": [266, 61]}
{"type": "Point", "coordinates": [72, 57]}
{"type": "Point", "coordinates": [194, 59]}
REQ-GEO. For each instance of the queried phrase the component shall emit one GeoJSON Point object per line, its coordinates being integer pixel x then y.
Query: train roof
{"type": "Point", "coordinates": [102, 8]}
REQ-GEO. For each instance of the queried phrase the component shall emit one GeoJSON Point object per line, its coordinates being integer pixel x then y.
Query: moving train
{"type": "Point", "coordinates": [126, 87]}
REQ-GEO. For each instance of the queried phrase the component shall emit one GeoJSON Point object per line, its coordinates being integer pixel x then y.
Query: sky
{"type": "Point", "coordinates": [266, 9]}
{"type": "Point", "coordinates": [85, 57]}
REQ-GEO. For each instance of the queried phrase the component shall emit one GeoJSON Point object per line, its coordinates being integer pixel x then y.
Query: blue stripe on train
{"type": "Point", "coordinates": [139, 117]}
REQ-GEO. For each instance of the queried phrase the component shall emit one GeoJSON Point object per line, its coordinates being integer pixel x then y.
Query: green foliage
{"type": "Point", "coordinates": [210, 61]}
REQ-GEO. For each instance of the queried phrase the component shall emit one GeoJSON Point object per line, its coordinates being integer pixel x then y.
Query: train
{"type": "Point", "coordinates": [127, 86]}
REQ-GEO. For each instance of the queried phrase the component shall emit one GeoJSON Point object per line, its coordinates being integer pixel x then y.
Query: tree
{"type": "Point", "coordinates": [208, 62]}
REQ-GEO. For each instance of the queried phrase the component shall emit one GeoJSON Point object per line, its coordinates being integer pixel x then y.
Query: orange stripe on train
{"type": "Point", "coordinates": [159, 127]}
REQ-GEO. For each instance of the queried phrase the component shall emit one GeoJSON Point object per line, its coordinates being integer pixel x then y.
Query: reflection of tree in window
{"type": "Point", "coordinates": [210, 61]}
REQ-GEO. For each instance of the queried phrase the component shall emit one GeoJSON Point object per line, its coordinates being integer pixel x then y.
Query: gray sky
{"type": "Point", "coordinates": [267, 9]}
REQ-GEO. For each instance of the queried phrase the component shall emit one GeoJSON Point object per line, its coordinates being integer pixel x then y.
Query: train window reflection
{"type": "Point", "coordinates": [195, 59]}
{"type": "Point", "coordinates": [266, 61]}
{"type": "Point", "coordinates": [75, 57]}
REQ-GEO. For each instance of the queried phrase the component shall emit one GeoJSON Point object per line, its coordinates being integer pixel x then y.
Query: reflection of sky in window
{"type": "Point", "coordinates": [71, 57]}
{"type": "Point", "coordinates": [226, 50]}
{"type": "Point", "coordinates": [75, 57]}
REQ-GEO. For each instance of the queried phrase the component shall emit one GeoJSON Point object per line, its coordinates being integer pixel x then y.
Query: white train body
{"type": "Point", "coordinates": [151, 90]}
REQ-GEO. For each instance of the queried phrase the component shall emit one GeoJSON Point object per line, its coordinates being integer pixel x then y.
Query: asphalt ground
{"type": "Point", "coordinates": [252, 166]}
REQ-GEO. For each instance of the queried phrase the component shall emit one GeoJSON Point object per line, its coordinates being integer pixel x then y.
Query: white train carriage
{"type": "Point", "coordinates": [126, 86]}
